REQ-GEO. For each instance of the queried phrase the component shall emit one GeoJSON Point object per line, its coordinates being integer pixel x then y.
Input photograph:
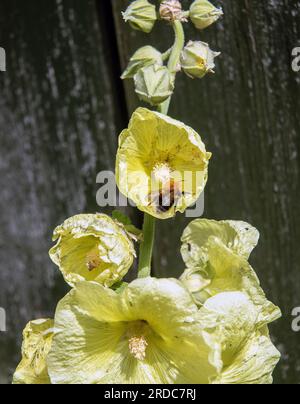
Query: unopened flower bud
{"type": "Point", "coordinates": [154, 84]}
{"type": "Point", "coordinates": [203, 13]}
{"type": "Point", "coordinates": [171, 10]}
{"type": "Point", "coordinates": [141, 15]}
{"type": "Point", "coordinates": [145, 56]}
{"type": "Point", "coordinates": [197, 59]}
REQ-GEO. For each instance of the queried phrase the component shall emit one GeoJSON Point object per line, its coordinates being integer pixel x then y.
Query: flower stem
{"type": "Point", "coordinates": [147, 245]}
{"type": "Point", "coordinates": [167, 54]}
{"type": "Point", "coordinates": [174, 60]}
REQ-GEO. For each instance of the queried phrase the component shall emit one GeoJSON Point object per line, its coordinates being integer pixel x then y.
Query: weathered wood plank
{"type": "Point", "coordinates": [248, 114]}
{"type": "Point", "coordinates": [59, 121]}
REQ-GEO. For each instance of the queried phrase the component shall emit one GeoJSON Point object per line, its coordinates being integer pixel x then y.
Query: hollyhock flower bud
{"type": "Point", "coordinates": [171, 10]}
{"type": "Point", "coordinates": [197, 59]}
{"type": "Point", "coordinates": [141, 15]}
{"type": "Point", "coordinates": [145, 56]}
{"type": "Point", "coordinates": [203, 13]}
{"type": "Point", "coordinates": [154, 84]}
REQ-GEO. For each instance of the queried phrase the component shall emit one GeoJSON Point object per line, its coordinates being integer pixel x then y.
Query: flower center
{"type": "Point", "coordinates": [93, 260]}
{"type": "Point", "coordinates": [137, 341]}
{"type": "Point", "coordinates": [137, 347]}
{"type": "Point", "coordinates": [162, 173]}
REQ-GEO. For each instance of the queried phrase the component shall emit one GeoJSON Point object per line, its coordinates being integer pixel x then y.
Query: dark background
{"type": "Point", "coordinates": [62, 107]}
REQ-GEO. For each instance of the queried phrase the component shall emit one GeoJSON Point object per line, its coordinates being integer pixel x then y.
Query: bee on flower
{"type": "Point", "coordinates": [162, 164]}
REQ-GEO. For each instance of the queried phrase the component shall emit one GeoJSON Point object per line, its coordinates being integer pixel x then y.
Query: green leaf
{"type": "Point", "coordinates": [133, 232]}
{"type": "Point", "coordinates": [119, 287]}
{"type": "Point", "coordinates": [121, 217]}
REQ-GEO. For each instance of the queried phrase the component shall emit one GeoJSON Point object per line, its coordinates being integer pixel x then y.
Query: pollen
{"type": "Point", "coordinates": [93, 260]}
{"type": "Point", "coordinates": [162, 172]}
{"type": "Point", "coordinates": [137, 347]}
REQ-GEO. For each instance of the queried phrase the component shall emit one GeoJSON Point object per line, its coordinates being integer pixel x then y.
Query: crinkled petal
{"type": "Point", "coordinates": [227, 320]}
{"type": "Point", "coordinates": [37, 340]}
{"type": "Point", "coordinates": [92, 248]}
{"type": "Point", "coordinates": [88, 328]}
{"type": "Point", "coordinates": [225, 271]}
{"type": "Point", "coordinates": [254, 364]}
{"type": "Point", "coordinates": [238, 236]}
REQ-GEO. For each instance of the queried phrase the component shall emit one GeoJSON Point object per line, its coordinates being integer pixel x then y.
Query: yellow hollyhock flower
{"type": "Point", "coordinates": [149, 333]}
{"type": "Point", "coordinates": [36, 346]}
{"type": "Point", "coordinates": [161, 164]}
{"type": "Point", "coordinates": [216, 256]}
{"type": "Point", "coordinates": [240, 347]}
{"type": "Point", "coordinates": [93, 248]}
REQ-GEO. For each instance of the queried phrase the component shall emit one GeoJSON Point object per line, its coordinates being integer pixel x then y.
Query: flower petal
{"type": "Point", "coordinates": [170, 308]}
{"type": "Point", "coordinates": [224, 271]}
{"type": "Point", "coordinates": [227, 320]}
{"type": "Point", "coordinates": [36, 346]}
{"type": "Point", "coordinates": [238, 236]}
{"type": "Point", "coordinates": [86, 337]}
{"type": "Point", "coordinates": [94, 327]}
{"type": "Point", "coordinates": [254, 364]}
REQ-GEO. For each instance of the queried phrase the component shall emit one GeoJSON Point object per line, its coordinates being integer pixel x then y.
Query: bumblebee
{"type": "Point", "coordinates": [167, 197]}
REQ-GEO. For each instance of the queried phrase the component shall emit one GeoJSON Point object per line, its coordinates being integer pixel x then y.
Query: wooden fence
{"type": "Point", "coordinates": [62, 106]}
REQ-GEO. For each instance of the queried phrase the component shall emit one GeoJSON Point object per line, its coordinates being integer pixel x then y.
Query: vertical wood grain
{"type": "Point", "coordinates": [248, 115]}
{"type": "Point", "coordinates": [60, 115]}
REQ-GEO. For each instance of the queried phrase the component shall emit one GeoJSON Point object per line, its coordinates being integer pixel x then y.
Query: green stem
{"type": "Point", "coordinates": [165, 56]}
{"type": "Point", "coordinates": [146, 249]}
{"type": "Point", "coordinates": [174, 60]}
